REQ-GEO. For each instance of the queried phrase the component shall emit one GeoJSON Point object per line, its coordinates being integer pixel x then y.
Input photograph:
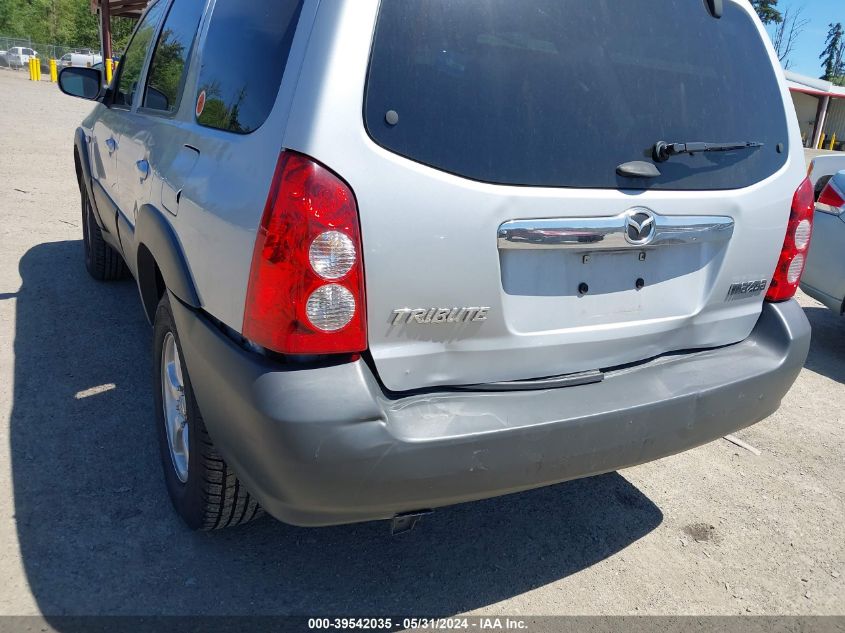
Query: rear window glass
{"type": "Point", "coordinates": [243, 61]}
{"type": "Point", "coordinates": [559, 93]}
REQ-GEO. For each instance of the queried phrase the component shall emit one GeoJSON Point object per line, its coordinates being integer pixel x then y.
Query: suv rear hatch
{"type": "Point", "coordinates": [500, 244]}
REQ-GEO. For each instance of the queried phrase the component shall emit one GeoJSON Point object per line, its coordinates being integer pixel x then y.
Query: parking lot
{"type": "Point", "coordinates": [86, 526]}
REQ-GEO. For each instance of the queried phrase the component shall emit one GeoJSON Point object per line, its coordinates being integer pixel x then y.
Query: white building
{"type": "Point", "coordinates": [821, 111]}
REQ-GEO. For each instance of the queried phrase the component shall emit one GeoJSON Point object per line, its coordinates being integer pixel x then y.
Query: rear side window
{"type": "Point", "coordinates": [558, 93]}
{"type": "Point", "coordinates": [243, 60]}
{"type": "Point", "coordinates": [167, 68]}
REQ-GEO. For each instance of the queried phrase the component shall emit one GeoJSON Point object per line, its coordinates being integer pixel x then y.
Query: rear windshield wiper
{"type": "Point", "coordinates": [663, 151]}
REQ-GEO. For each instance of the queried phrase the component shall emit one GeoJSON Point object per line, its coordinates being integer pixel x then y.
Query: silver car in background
{"type": "Point", "coordinates": [824, 276]}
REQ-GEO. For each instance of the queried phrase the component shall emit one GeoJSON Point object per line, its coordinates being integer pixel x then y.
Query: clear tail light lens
{"type": "Point", "coordinates": [332, 255]}
{"type": "Point", "coordinates": [330, 308]}
{"type": "Point", "coordinates": [793, 255]}
{"type": "Point", "coordinates": [306, 289]}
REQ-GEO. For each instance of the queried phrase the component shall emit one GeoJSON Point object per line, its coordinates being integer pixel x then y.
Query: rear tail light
{"type": "Point", "coordinates": [793, 256]}
{"type": "Point", "coordinates": [832, 198]}
{"type": "Point", "coordinates": [306, 287]}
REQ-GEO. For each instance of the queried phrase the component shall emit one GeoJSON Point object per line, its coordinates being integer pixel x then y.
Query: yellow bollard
{"type": "Point", "coordinates": [832, 141]}
{"type": "Point", "coordinates": [109, 70]}
{"type": "Point", "coordinates": [821, 141]}
{"type": "Point", "coordinates": [34, 69]}
{"type": "Point", "coordinates": [54, 71]}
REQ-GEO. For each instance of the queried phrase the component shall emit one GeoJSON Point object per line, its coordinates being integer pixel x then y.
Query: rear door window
{"type": "Point", "coordinates": [167, 68]}
{"type": "Point", "coordinates": [243, 60]}
{"type": "Point", "coordinates": [558, 93]}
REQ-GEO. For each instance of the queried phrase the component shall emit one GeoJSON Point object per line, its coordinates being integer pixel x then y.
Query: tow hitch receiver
{"type": "Point", "coordinates": [406, 522]}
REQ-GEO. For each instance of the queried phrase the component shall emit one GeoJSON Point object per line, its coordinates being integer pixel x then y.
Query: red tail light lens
{"type": "Point", "coordinates": [793, 256]}
{"type": "Point", "coordinates": [832, 197]}
{"type": "Point", "coordinates": [306, 288]}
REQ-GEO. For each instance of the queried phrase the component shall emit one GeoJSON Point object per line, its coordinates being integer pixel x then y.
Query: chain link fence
{"type": "Point", "coordinates": [46, 52]}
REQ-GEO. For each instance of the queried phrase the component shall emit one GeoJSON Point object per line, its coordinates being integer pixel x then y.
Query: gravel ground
{"type": "Point", "coordinates": [86, 526]}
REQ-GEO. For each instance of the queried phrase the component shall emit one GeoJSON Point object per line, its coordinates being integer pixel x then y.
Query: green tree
{"type": "Point", "coordinates": [76, 25]}
{"type": "Point", "coordinates": [833, 55]}
{"type": "Point", "coordinates": [62, 22]}
{"type": "Point", "coordinates": [767, 11]}
{"type": "Point", "coordinates": [121, 31]}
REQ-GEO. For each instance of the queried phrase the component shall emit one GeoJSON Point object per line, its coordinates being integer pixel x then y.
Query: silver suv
{"type": "Point", "coordinates": [400, 255]}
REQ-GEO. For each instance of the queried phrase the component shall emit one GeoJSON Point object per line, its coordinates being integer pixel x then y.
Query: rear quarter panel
{"type": "Point", "coordinates": [223, 198]}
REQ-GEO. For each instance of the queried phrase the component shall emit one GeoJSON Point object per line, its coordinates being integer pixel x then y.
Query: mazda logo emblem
{"type": "Point", "coordinates": [639, 227]}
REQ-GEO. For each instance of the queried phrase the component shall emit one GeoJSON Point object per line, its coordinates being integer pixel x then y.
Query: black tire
{"type": "Point", "coordinates": [102, 262]}
{"type": "Point", "coordinates": [212, 497]}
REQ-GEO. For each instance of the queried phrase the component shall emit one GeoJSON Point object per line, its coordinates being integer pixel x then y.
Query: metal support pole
{"type": "Point", "coordinates": [821, 117]}
{"type": "Point", "coordinates": [105, 13]}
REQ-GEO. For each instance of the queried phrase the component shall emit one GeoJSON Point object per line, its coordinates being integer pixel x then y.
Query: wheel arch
{"type": "Point", "coordinates": [161, 262]}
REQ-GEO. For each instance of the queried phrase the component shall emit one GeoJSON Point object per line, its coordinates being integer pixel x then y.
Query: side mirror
{"type": "Point", "coordinates": [85, 83]}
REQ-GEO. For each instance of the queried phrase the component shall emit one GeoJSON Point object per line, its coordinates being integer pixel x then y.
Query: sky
{"type": "Point", "coordinates": [820, 13]}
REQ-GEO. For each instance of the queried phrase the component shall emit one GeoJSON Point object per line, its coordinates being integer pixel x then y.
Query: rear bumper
{"type": "Point", "coordinates": [326, 446]}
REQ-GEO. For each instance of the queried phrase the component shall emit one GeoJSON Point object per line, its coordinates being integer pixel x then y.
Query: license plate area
{"type": "Point", "coordinates": [561, 274]}
{"type": "Point", "coordinates": [558, 289]}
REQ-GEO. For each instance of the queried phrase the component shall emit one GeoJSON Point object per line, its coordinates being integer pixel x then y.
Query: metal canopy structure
{"type": "Point", "coordinates": [107, 8]}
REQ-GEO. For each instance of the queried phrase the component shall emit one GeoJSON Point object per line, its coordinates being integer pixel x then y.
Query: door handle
{"type": "Point", "coordinates": [144, 167]}
{"type": "Point", "coordinates": [111, 144]}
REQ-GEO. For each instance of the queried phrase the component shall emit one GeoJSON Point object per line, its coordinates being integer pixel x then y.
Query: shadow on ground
{"type": "Point", "coordinates": [98, 536]}
{"type": "Point", "coordinates": [827, 349]}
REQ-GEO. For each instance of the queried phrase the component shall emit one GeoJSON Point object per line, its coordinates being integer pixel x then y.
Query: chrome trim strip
{"type": "Point", "coordinates": [609, 233]}
{"type": "Point", "coordinates": [825, 208]}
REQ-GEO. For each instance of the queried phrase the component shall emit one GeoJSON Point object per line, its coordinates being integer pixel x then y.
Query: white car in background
{"type": "Point", "coordinates": [18, 56]}
{"type": "Point", "coordinates": [80, 60]}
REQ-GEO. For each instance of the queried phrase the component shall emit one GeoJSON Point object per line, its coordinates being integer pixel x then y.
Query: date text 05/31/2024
{"type": "Point", "coordinates": [481, 623]}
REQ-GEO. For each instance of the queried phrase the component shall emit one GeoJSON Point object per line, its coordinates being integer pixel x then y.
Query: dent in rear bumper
{"type": "Point", "coordinates": [325, 446]}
